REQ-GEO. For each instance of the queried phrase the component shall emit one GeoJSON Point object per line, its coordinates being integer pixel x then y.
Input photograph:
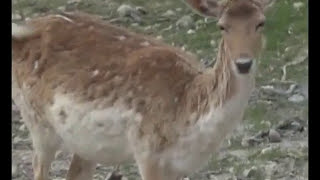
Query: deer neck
{"type": "Point", "coordinates": [218, 86]}
{"type": "Point", "coordinates": [225, 83]}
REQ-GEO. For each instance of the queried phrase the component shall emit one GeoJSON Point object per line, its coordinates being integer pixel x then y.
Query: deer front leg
{"type": "Point", "coordinates": [80, 169]}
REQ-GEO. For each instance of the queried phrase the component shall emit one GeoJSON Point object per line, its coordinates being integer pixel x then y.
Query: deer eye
{"type": "Point", "coordinates": [260, 25]}
{"type": "Point", "coordinates": [223, 28]}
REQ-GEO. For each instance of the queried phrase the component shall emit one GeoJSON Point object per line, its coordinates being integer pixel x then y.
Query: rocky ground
{"type": "Point", "coordinates": [271, 143]}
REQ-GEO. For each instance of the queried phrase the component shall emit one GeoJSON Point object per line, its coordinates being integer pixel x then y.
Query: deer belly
{"type": "Point", "coordinates": [98, 135]}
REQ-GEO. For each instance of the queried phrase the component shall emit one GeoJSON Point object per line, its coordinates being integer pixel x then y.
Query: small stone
{"type": "Point", "coordinates": [298, 5]}
{"type": "Point", "coordinates": [267, 123]}
{"type": "Point", "coordinates": [125, 10]}
{"type": "Point", "coordinates": [22, 127]}
{"type": "Point", "coordinates": [190, 31]}
{"type": "Point", "coordinates": [274, 136]}
{"type": "Point", "coordinates": [253, 172]}
{"type": "Point", "coordinates": [135, 24]}
{"type": "Point", "coordinates": [213, 43]}
{"type": "Point", "coordinates": [231, 170]}
{"type": "Point", "coordinates": [296, 98]}
{"type": "Point", "coordinates": [16, 140]}
{"type": "Point", "coordinates": [145, 44]}
{"type": "Point", "coordinates": [266, 150]}
{"type": "Point", "coordinates": [185, 21]}
{"type": "Point", "coordinates": [62, 8]}
{"type": "Point", "coordinates": [169, 13]}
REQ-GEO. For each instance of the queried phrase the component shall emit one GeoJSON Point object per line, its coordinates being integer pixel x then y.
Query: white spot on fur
{"type": "Point", "coordinates": [145, 44]}
{"type": "Point", "coordinates": [121, 38]}
{"type": "Point", "coordinates": [36, 65]}
{"type": "Point", "coordinates": [95, 73]}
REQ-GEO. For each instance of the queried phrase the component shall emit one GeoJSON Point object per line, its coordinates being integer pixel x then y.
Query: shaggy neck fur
{"type": "Point", "coordinates": [222, 77]}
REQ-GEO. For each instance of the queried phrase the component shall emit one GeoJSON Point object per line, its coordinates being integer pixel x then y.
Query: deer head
{"type": "Point", "coordinates": [241, 23]}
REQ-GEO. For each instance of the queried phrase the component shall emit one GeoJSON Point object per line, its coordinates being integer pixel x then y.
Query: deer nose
{"type": "Point", "coordinates": [243, 65]}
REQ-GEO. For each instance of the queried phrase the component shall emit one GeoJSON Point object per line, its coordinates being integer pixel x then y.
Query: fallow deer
{"type": "Point", "coordinates": [111, 96]}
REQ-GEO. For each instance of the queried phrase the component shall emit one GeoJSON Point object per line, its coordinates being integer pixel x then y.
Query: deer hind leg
{"type": "Point", "coordinates": [80, 169]}
{"type": "Point", "coordinates": [151, 170]}
{"type": "Point", "coordinates": [45, 146]}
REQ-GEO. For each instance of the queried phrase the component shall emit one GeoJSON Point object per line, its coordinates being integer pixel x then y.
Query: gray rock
{"type": "Point", "coordinates": [62, 8]}
{"type": "Point", "coordinates": [298, 5]}
{"type": "Point", "coordinates": [169, 13]}
{"type": "Point", "coordinates": [22, 127]}
{"type": "Point", "coordinates": [213, 43]}
{"type": "Point", "coordinates": [296, 98]}
{"type": "Point", "coordinates": [191, 31]}
{"type": "Point", "coordinates": [274, 136]}
{"type": "Point", "coordinates": [125, 10]}
{"type": "Point", "coordinates": [128, 11]}
{"type": "Point", "coordinates": [185, 22]}
{"type": "Point", "coordinates": [16, 140]}
{"type": "Point", "coordinates": [266, 150]}
{"type": "Point", "coordinates": [178, 9]}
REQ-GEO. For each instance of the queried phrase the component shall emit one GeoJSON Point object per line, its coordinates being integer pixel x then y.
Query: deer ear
{"type": "Point", "coordinates": [210, 8]}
